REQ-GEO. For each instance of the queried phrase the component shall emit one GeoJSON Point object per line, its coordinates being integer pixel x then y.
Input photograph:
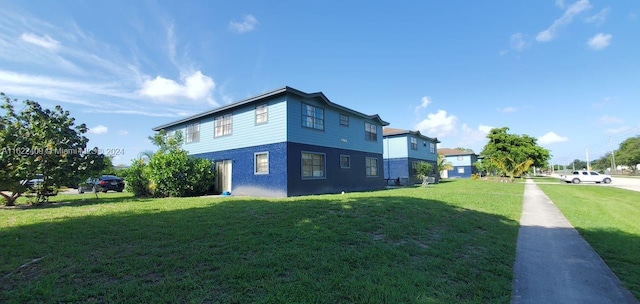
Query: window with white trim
{"type": "Point", "coordinates": [261, 114]}
{"type": "Point", "coordinates": [371, 164]}
{"type": "Point", "coordinates": [313, 165]}
{"type": "Point", "coordinates": [345, 161]}
{"type": "Point", "coordinates": [222, 125]}
{"type": "Point", "coordinates": [261, 163]}
{"type": "Point", "coordinates": [370, 132]}
{"type": "Point", "coordinates": [461, 170]}
{"type": "Point", "coordinates": [414, 143]}
{"type": "Point", "coordinates": [193, 133]}
{"type": "Point", "coordinates": [432, 147]}
{"type": "Point", "coordinates": [460, 157]}
{"type": "Point", "coordinates": [344, 120]}
{"type": "Point", "coordinates": [312, 117]}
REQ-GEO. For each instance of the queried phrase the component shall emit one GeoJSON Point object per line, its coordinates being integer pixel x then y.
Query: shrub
{"type": "Point", "coordinates": [475, 176]}
{"type": "Point", "coordinates": [176, 174]}
{"type": "Point", "coordinates": [137, 181]}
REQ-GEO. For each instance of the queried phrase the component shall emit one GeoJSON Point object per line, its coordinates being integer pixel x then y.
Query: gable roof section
{"type": "Point", "coordinates": [318, 95]}
{"type": "Point", "coordinates": [387, 132]}
{"type": "Point", "coordinates": [450, 152]}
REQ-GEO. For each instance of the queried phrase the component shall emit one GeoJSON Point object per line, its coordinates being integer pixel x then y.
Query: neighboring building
{"type": "Point", "coordinates": [403, 150]}
{"type": "Point", "coordinates": [461, 161]}
{"type": "Point", "coordinates": [287, 143]}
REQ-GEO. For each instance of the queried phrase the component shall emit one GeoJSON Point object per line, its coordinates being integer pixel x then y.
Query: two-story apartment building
{"type": "Point", "coordinates": [287, 143]}
{"type": "Point", "coordinates": [403, 150]}
{"type": "Point", "coordinates": [461, 161]}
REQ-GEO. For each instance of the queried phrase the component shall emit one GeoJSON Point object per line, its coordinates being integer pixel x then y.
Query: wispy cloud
{"type": "Point", "coordinates": [574, 9]}
{"type": "Point", "coordinates": [607, 120]}
{"type": "Point", "coordinates": [507, 110]}
{"type": "Point", "coordinates": [615, 131]}
{"type": "Point", "coordinates": [605, 102]}
{"type": "Point", "coordinates": [600, 17]}
{"type": "Point", "coordinates": [438, 124]}
{"type": "Point", "coordinates": [424, 103]}
{"type": "Point", "coordinates": [99, 129]}
{"type": "Point", "coordinates": [196, 86]}
{"type": "Point", "coordinates": [599, 41]}
{"type": "Point", "coordinates": [123, 132]}
{"type": "Point", "coordinates": [43, 41]}
{"type": "Point", "coordinates": [551, 138]}
{"type": "Point", "coordinates": [247, 24]}
{"type": "Point", "coordinates": [470, 136]}
{"type": "Point", "coordinates": [517, 42]}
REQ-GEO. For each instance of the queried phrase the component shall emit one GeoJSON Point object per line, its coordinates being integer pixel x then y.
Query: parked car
{"type": "Point", "coordinates": [37, 179]}
{"type": "Point", "coordinates": [104, 183]}
{"type": "Point", "coordinates": [587, 176]}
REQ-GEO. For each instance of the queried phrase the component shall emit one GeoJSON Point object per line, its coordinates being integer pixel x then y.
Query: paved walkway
{"type": "Point", "coordinates": [554, 264]}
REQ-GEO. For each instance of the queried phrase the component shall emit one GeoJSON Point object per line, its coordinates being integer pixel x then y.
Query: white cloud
{"type": "Point", "coordinates": [599, 18]}
{"type": "Point", "coordinates": [599, 41]}
{"type": "Point", "coordinates": [560, 3]}
{"type": "Point", "coordinates": [439, 124]}
{"type": "Point", "coordinates": [605, 102]}
{"type": "Point", "coordinates": [248, 24]}
{"type": "Point", "coordinates": [517, 42]}
{"type": "Point", "coordinates": [573, 10]}
{"type": "Point", "coordinates": [485, 129]}
{"type": "Point", "coordinates": [507, 110]}
{"type": "Point", "coordinates": [617, 130]}
{"type": "Point", "coordinates": [424, 103]}
{"type": "Point", "coordinates": [99, 129]}
{"type": "Point", "coordinates": [607, 120]}
{"type": "Point", "coordinates": [471, 136]}
{"type": "Point", "coordinates": [196, 86]}
{"type": "Point", "coordinates": [551, 138]}
{"type": "Point", "coordinates": [42, 41]}
{"type": "Point", "coordinates": [123, 132]}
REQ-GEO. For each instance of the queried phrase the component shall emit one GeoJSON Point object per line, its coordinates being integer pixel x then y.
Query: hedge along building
{"type": "Point", "coordinates": [287, 143]}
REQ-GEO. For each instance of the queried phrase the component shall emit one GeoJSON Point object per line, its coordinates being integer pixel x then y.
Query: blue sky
{"type": "Point", "coordinates": [566, 72]}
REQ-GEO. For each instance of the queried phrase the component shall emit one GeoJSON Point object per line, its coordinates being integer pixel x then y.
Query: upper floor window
{"type": "Point", "coordinates": [414, 144]}
{"type": "Point", "coordinates": [370, 132]}
{"type": "Point", "coordinates": [460, 157]}
{"type": "Point", "coordinates": [261, 114]}
{"type": "Point", "coordinates": [432, 148]}
{"type": "Point", "coordinates": [344, 120]}
{"type": "Point", "coordinates": [222, 125]}
{"type": "Point", "coordinates": [312, 117]}
{"type": "Point", "coordinates": [193, 133]}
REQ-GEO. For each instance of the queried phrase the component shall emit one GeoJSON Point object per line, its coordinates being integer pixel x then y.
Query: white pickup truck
{"type": "Point", "coordinates": [586, 176]}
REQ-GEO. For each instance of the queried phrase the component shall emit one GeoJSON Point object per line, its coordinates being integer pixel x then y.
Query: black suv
{"type": "Point", "coordinates": [103, 184]}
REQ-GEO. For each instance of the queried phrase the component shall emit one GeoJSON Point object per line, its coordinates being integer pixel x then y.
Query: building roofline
{"type": "Point", "coordinates": [389, 132]}
{"type": "Point", "coordinates": [283, 90]}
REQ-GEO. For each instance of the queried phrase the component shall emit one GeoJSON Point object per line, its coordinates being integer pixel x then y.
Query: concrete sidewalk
{"type": "Point", "coordinates": [554, 264]}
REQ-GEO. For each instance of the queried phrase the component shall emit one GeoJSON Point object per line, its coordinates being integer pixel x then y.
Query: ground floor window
{"type": "Point", "coordinates": [371, 164]}
{"type": "Point", "coordinates": [313, 165]}
{"type": "Point", "coordinates": [345, 161]}
{"type": "Point", "coordinates": [261, 163]}
{"type": "Point", "coordinates": [461, 170]}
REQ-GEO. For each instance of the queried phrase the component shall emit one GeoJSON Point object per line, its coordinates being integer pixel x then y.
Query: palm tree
{"type": "Point", "coordinates": [443, 164]}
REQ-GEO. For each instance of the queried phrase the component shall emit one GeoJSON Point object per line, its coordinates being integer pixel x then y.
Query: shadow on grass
{"type": "Point", "coordinates": [393, 249]}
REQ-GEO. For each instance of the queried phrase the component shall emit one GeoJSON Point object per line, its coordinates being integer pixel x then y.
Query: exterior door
{"type": "Point", "coordinates": [223, 175]}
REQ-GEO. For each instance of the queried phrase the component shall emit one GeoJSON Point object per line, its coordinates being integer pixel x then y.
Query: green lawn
{"type": "Point", "coordinates": [608, 219]}
{"type": "Point", "coordinates": [451, 242]}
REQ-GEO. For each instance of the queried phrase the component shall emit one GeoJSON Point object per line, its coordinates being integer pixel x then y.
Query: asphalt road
{"type": "Point", "coordinates": [629, 183]}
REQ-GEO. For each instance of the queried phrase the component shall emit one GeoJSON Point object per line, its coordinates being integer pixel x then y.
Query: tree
{"type": "Point", "coordinates": [629, 152]}
{"type": "Point", "coordinates": [443, 164]}
{"type": "Point", "coordinates": [513, 153]}
{"type": "Point", "coordinates": [464, 149]}
{"type": "Point", "coordinates": [577, 164]}
{"type": "Point", "coordinates": [423, 169]}
{"type": "Point", "coordinates": [40, 141]}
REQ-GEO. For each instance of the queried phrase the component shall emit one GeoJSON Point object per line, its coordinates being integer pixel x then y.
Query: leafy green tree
{"type": "Point", "coordinates": [629, 152]}
{"type": "Point", "coordinates": [423, 169]}
{"type": "Point", "coordinates": [137, 180]}
{"type": "Point", "coordinates": [464, 149]}
{"type": "Point", "coordinates": [513, 153]}
{"type": "Point", "coordinates": [443, 164]}
{"type": "Point", "coordinates": [577, 164]}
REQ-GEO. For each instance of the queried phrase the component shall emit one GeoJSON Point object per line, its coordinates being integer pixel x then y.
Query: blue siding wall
{"type": "Point", "coordinates": [244, 133]}
{"type": "Point", "coordinates": [337, 179]}
{"type": "Point", "coordinates": [465, 161]}
{"type": "Point", "coordinates": [396, 147]}
{"type": "Point", "coordinates": [334, 135]}
{"type": "Point", "coordinates": [423, 152]}
{"type": "Point", "coordinates": [468, 170]}
{"type": "Point", "coordinates": [244, 181]}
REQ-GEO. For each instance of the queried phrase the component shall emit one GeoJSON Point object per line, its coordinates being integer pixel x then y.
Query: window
{"type": "Point", "coordinates": [261, 163]}
{"type": "Point", "coordinates": [261, 114]}
{"type": "Point", "coordinates": [432, 148]}
{"type": "Point", "coordinates": [371, 164]}
{"type": "Point", "coordinates": [345, 161]}
{"type": "Point", "coordinates": [414, 144]}
{"type": "Point", "coordinates": [169, 135]}
{"type": "Point", "coordinates": [193, 133]}
{"type": "Point", "coordinates": [344, 120]}
{"type": "Point", "coordinates": [222, 125]}
{"type": "Point", "coordinates": [460, 157]}
{"type": "Point", "coordinates": [313, 165]}
{"type": "Point", "coordinates": [461, 170]}
{"type": "Point", "coordinates": [414, 168]}
{"type": "Point", "coordinates": [312, 117]}
{"type": "Point", "coordinates": [424, 144]}
{"type": "Point", "coordinates": [370, 132]}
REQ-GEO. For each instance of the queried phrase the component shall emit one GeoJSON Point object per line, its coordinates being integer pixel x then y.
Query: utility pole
{"type": "Point", "coordinates": [588, 165]}
{"type": "Point", "coordinates": [613, 157]}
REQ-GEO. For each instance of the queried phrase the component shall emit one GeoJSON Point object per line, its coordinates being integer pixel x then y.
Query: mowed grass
{"type": "Point", "coordinates": [451, 242]}
{"type": "Point", "coordinates": [608, 218]}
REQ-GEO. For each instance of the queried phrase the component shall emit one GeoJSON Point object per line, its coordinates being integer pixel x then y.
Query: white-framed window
{"type": "Point", "coordinates": [370, 132]}
{"type": "Point", "coordinates": [169, 135]}
{"type": "Point", "coordinates": [460, 157]}
{"type": "Point", "coordinates": [312, 117]}
{"type": "Point", "coordinates": [193, 133]}
{"type": "Point", "coordinates": [432, 147]}
{"type": "Point", "coordinates": [461, 170]}
{"type": "Point", "coordinates": [313, 165]}
{"type": "Point", "coordinates": [344, 120]}
{"type": "Point", "coordinates": [414, 143]}
{"type": "Point", "coordinates": [261, 114]}
{"type": "Point", "coordinates": [371, 164]}
{"type": "Point", "coordinates": [222, 125]}
{"type": "Point", "coordinates": [261, 163]}
{"type": "Point", "coordinates": [345, 161]}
